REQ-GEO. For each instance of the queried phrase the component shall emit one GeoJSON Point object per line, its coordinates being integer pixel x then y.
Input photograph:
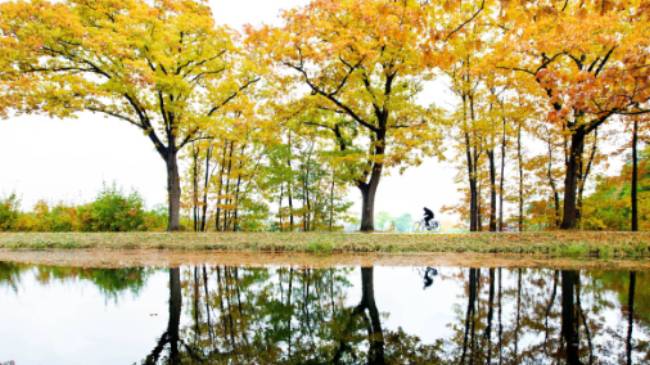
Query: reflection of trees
{"type": "Point", "coordinates": [10, 274]}
{"type": "Point", "coordinates": [110, 282]}
{"type": "Point", "coordinates": [570, 315]}
{"type": "Point", "coordinates": [300, 316]}
{"type": "Point", "coordinates": [171, 335]}
{"type": "Point", "coordinates": [367, 311]}
{"type": "Point", "coordinates": [285, 315]}
{"type": "Point", "coordinates": [234, 315]}
{"type": "Point", "coordinates": [542, 316]}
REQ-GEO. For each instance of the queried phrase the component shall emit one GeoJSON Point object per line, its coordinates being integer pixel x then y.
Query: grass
{"type": "Point", "coordinates": [553, 244]}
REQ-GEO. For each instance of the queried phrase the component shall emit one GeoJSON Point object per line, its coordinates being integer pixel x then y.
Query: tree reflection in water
{"type": "Point", "coordinates": [300, 316]}
{"type": "Point", "coordinates": [284, 315]}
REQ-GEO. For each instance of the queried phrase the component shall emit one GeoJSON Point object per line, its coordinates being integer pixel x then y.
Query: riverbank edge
{"type": "Point", "coordinates": [548, 244]}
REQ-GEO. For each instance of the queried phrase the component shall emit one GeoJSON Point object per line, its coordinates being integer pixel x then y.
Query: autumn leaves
{"type": "Point", "coordinates": [342, 76]}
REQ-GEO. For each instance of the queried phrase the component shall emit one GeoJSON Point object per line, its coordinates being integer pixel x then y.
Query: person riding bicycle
{"type": "Point", "coordinates": [428, 216]}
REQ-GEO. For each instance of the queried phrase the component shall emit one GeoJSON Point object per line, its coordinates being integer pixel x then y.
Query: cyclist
{"type": "Point", "coordinates": [428, 216]}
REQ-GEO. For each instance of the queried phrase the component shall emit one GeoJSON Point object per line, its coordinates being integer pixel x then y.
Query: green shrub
{"type": "Point", "coordinates": [155, 220]}
{"type": "Point", "coordinates": [113, 211]}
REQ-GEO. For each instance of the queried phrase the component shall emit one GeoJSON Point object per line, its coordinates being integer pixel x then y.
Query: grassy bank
{"type": "Point", "coordinates": [570, 244]}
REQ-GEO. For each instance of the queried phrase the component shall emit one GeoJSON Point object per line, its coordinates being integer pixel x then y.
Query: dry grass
{"type": "Point", "coordinates": [554, 244]}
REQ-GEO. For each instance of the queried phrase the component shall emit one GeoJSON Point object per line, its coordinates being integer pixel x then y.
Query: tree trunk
{"type": "Point", "coordinates": [520, 160]}
{"type": "Point", "coordinates": [473, 206]}
{"type": "Point", "coordinates": [502, 175]}
{"type": "Point", "coordinates": [583, 174]}
{"type": "Point", "coordinates": [206, 185]}
{"type": "Point", "coordinates": [369, 189]}
{"type": "Point", "coordinates": [227, 198]}
{"type": "Point", "coordinates": [173, 192]}
{"type": "Point", "coordinates": [368, 192]}
{"type": "Point", "coordinates": [195, 187]}
{"type": "Point", "coordinates": [280, 205]}
{"type": "Point", "coordinates": [331, 210]}
{"type": "Point", "coordinates": [289, 185]}
{"type": "Point", "coordinates": [479, 209]}
{"type": "Point", "coordinates": [493, 192]}
{"type": "Point", "coordinates": [569, 220]}
{"type": "Point", "coordinates": [635, 176]}
{"type": "Point", "coordinates": [217, 219]}
{"type": "Point", "coordinates": [473, 194]}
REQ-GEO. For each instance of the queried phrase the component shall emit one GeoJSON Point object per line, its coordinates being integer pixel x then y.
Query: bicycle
{"type": "Point", "coordinates": [421, 226]}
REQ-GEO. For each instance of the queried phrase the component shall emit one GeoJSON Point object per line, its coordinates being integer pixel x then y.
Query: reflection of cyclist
{"type": "Point", "coordinates": [429, 273]}
{"type": "Point", "coordinates": [428, 216]}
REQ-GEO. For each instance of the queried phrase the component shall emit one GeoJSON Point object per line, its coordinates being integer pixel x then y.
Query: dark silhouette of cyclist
{"type": "Point", "coordinates": [428, 216]}
{"type": "Point", "coordinates": [429, 273]}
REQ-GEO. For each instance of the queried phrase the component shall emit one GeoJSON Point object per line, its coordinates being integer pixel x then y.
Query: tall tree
{"type": "Point", "coordinates": [588, 78]}
{"type": "Point", "coordinates": [162, 66]}
{"type": "Point", "coordinates": [363, 62]}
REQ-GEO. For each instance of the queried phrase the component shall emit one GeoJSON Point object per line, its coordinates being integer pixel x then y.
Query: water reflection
{"type": "Point", "coordinates": [284, 315]}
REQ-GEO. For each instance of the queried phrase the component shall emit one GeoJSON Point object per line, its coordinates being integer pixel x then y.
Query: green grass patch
{"type": "Point", "coordinates": [555, 244]}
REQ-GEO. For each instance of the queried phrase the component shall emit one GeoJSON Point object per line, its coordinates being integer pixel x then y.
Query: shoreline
{"type": "Point", "coordinates": [102, 258]}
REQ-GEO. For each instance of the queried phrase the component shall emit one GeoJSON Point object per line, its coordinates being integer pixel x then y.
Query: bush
{"type": "Point", "coordinates": [9, 212]}
{"type": "Point", "coordinates": [113, 211]}
{"type": "Point", "coordinates": [155, 220]}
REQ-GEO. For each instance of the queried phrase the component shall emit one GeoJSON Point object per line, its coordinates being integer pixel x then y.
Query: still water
{"type": "Point", "coordinates": [208, 314]}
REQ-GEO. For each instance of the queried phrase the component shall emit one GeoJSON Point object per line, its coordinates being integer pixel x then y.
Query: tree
{"type": "Point", "coordinates": [162, 66]}
{"type": "Point", "coordinates": [362, 63]}
{"type": "Point", "coordinates": [587, 78]}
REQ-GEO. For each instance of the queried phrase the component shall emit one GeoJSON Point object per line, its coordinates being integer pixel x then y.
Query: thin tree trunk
{"type": "Point", "coordinates": [280, 206]}
{"type": "Point", "coordinates": [502, 175]}
{"type": "Point", "coordinates": [635, 176]}
{"type": "Point", "coordinates": [479, 209]}
{"type": "Point", "coordinates": [308, 203]}
{"type": "Point", "coordinates": [493, 191]}
{"type": "Point", "coordinates": [195, 187]}
{"type": "Point", "coordinates": [331, 210]}
{"type": "Point", "coordinates": [227, 192]}
{"type": "Point", "coordinates": [217, 219]}
{"type": "Point", "coordinates": [238, 188]}
{"type": "Point", "coordinates": [289, 186]}
{"type": "Point", "coordinates": [206, 187]}
{"type": "Point", "coordinates": [520, 160]}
